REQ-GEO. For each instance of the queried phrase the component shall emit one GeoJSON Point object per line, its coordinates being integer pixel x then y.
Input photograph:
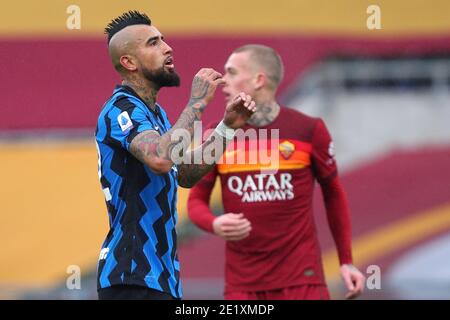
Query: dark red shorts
{"type": "Point", "coordinates": [303, 292]}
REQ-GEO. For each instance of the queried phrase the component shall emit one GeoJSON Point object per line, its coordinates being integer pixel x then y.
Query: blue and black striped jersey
{"type": "Point", "coordinates": [140, 248]}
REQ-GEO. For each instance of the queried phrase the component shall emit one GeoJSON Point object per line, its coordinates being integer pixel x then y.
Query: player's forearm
{"type": "Point", "coordinates": [173, 144]}
{"type": "Point", "coordinates": [177, 138]}
{"type": "Point", "coordinates": [195, 164]}
{"type": "Point", "coordinates": [338, 215]}
{"type": "Point", "coordinates": [161, 152]}
{"type": "Point", "coordinates": [201, 160]}
{"type": "Point", "coordinates": [201, 215]}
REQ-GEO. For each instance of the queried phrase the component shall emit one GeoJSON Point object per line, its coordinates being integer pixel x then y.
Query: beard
{"type": "Point", "coordinates": [161, 77]}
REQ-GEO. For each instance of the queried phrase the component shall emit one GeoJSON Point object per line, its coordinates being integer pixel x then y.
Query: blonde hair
{"type": "Point", "coordinates": [266, 58]}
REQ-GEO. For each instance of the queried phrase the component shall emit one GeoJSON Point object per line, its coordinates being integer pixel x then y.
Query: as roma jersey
{"type": "Point", "coordinates": [268, 174]}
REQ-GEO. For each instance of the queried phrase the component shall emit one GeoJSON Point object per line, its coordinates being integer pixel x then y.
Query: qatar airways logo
{"type": "Point", "coordinates": [262, 187]}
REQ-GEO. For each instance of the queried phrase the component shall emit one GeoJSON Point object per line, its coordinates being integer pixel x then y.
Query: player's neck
{"type": "Point", "coordinates": [266, 113]}
{"type": "Point", "coordinates": [144, 90]}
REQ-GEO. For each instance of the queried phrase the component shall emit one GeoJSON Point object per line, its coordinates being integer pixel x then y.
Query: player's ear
{"type": "Point", "coordinates": [260, 80]}
{"type": "Point", "coordinates": [128, 63]}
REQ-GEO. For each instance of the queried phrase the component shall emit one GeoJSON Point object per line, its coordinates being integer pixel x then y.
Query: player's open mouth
{"type": "Point", "coordinates": [169, 63]}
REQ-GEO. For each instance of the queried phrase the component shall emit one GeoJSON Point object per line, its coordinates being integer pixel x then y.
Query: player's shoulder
{"type": "Point", "coordinates": [290, 113]}
{"type": "Point", "coordinates": [127, 102]}
{"type": "Point", "coordinates": [119, 108]}
{"type": "Point", "coordinates": [123, 100]}
{"type": "Point", "coordinates": [299, 122]}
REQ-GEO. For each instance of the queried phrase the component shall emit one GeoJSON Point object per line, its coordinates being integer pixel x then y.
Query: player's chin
{"type": "Point", "coordinates": [227, 98]}
{"type": "Point", "coordinates": [169, 69]}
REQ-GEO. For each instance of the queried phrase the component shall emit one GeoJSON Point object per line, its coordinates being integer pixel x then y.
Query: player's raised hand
{"type": "Point", "coordinates": [239, 110]}
{"type": "Point", "coordinates": [353, 279]}
{"type": "Point", "coordinates": [204, 86]}
{"type": "Point", "coordinates": [232, 226]}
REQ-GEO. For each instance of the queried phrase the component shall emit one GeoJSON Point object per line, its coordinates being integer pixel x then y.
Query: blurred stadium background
{"type": "Point", "coordinates": [384, 94]}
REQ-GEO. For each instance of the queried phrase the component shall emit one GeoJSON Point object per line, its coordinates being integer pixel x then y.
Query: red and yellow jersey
{"type": "Point", "coordinates": [273, 188]}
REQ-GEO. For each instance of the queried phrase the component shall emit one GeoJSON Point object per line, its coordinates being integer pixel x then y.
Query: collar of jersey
{"type": "Point", "coordinates": [129, 90]}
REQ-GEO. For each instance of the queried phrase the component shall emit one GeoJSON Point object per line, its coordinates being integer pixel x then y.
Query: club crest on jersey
{"type": "Point", "coordinates": [286, 149]}
{"type": "Point", "coordinates": [125, 122]}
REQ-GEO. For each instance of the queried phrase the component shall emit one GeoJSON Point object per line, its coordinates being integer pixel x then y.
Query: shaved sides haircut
{"type": "Point", "coordinates": [127, 19]}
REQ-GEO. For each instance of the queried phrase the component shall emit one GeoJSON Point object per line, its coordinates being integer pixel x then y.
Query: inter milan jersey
{"type": "Point", "coordinates": [140, 248]}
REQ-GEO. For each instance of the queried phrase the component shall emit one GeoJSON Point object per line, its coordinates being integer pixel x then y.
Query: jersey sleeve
{"type": "Point", "coordinates": [323, 160]}
{"type": "Point", "coordinates": [198, 202]}
{"type": "Point", "coordinates": [127, 122]}
{"type": "Point", "coordinates": [338, 215]}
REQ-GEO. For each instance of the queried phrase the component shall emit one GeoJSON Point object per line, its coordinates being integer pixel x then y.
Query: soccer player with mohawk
{"type": "Point", "coordinates": [137, 169]}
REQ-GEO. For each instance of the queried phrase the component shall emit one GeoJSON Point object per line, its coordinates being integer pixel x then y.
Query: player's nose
{"type": "Point", "coordinates": [225, 78]}
{"type": "Point", "coordinates": [167, 49]}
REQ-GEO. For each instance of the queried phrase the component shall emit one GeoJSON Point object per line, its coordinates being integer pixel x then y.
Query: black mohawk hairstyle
{"type": "Point", "coordinates": [126, 19]}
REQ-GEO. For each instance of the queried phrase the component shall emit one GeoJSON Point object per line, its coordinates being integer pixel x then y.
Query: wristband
{"type": "Point", "coordinates": [223, 130]}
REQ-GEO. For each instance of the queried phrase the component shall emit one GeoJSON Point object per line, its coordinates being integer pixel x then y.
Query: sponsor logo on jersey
{"type": "Point", "coordinates": [262, 187]}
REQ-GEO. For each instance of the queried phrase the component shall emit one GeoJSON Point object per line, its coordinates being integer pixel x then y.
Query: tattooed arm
{"type": "Point", "coordinates": [159, 153]}
{"type": "Point", "coordinates": [155, 150]}
{"type": "Point", "coordinates": [201, 160]}
{"type": "Point", "coordinates": [190, 172]}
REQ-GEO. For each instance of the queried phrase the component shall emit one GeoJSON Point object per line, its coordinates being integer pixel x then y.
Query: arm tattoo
{"type": "Point", "coordinates": [199, 89]}
{"type": "Point", "coordinates": [149, 144]}
{"type": "Point", "coordinates": [189, 173]}
{"type": "Point", "coordinates": [143, 145]}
